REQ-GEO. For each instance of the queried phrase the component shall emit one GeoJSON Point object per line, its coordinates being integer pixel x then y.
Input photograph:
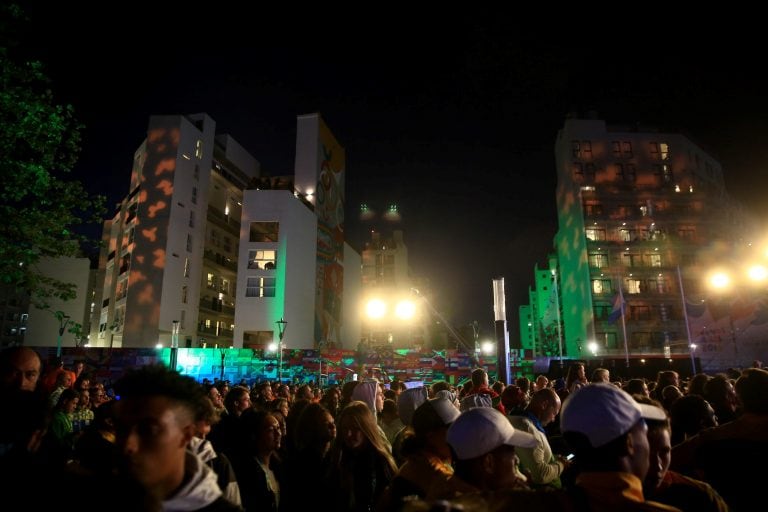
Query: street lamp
{"type": "Point", "coordinates": [281, 331]}
{"type": "Point", "coordinates": [63, 323]}
{"type": "Point", "coordinates": [592, 346]}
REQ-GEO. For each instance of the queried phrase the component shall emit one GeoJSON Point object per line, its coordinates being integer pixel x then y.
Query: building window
{"type": "Point", "coordinates": [260, 287]}
{"type": "Point", "coordinates": [627, 235]}
{"type": "Point", "coordinates": [634, 286]}
{"type": "Point", "coordinates": [595, 234]}
{"type": "Point", "coordinates": [192, 219]}
{"type": "Point", "coordinates": [586, 150]}
{"type": "Point", "coordinates": [593, 208]}
{"type": "Point", "coordinates": [264, 231]}
{"type": "Point", "coordinates": [687, 233]}
{"type": "Point", "coordinates": [653, 259]}
{"type": "Point", "coordinates": [598, 260]}
{"type": "Point", "coordinates": [609, 338]}
{"type": "Point", "coordinates": [186, 267]}
{"type": "Point", "coordinates": [184, 294]}
{"type": "Point", "coordinates": [640, 340]}
{"type": "Point", "coordinates": [199, 148]}
{"type": "Point", "coordinates": [578, 171]}
{"type": "Point", "coordinates": [601, 286]}
{"type": "Point", "coordinates": [183, 319]}
{"type": "Point", "coordinates": [657, 285]}
{"type": "Point", "coordinates": [575, 149]}
{"type": "Point", "coordinates": [639, 312]}
{"type": "Point", "coordinates": [664, 151]}
{"type": "Point", "coordinates": [189, 243]}
{"type": "Point", "coordinates": [616, 146]}
{"type": "Point", "coordinates": [630, 173]}
{"type": "Point", "coordinates": [632, 260]}
{"type": "Point", "coordinates": [227, 245]}
{"type": "Point", "coordinates": [589, 172]}
{"type": "Point", "coordinates": [194, 195]}
{"type": "Point", "coordinates": [626, 149]}
{"type": "Point", "coordinates": [210, 281]}
{"type": "Point", "coordinates": [654, 150]}
{"type": "Point", "coordinates": [602, 310]}
{"type": "Point", "coordinates": [264, 260]}
{"type": "Point", "coordinates": [196, 173]}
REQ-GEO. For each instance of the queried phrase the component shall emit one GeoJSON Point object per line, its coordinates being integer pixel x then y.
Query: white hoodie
{"type": "Point", "coordinates": [199, 491]}
{"type": "Point", "coordinates": [204, 449]}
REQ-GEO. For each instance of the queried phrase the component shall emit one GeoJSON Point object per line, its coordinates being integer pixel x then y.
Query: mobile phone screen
{"type": "Point", "coordinates": [569, 456]}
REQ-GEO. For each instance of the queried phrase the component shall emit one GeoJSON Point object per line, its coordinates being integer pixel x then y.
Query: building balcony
{"type": "Point", "coordinates": [217, 307]}
{"type": "Point", "coordinates": [225, 221]}
{"type": "Point", "coordinates": [220, 260]}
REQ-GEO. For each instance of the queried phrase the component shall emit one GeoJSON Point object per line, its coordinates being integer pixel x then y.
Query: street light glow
{"type": "Point", "coordinates": [757, 273]}
{"type": "Point", "coordinates": [405, 309]}
{"type": "Point", "coordinates": [375, 308]}
{"type": "Point", "coordinates": [272, 347]}
{"type": "Point", "coordinates": [719, 280]}
{"type": "Point", "coordinates": [592, 346]}
{"type": "Point", "coordinates": [488, 347]}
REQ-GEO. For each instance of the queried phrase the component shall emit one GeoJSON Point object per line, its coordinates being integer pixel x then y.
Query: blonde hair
{"type": "Point", "coordinates": [359, 413]}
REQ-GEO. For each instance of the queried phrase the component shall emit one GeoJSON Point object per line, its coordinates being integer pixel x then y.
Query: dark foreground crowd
{"type": "Point", "coordinates": [163, 441]}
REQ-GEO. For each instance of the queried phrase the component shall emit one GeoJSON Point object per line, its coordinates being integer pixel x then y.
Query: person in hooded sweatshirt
{"type": "Point", "coordinates": [207, 416]}
{"type": "Point", "coordinates": [155, 422]}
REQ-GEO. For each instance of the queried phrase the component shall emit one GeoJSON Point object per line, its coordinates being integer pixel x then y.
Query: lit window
{"type": "Point", "coordinates": [199, 149]}
{"type": "Point", "coordinates": [264, 260]}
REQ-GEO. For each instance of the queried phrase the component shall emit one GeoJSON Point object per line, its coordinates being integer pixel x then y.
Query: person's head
{"type": "Point", "coordinates": [636, 387]}
{"type": "Point", "coordinates": [237, 400]}
{"type": "Point", "coordinates": [315, 429]}
{"type": "Point", "coordinates": [606, 430]}
{"type": "Point", "coordinates": [541, 382]}
{"type": "Point", "coordinates": [696, 384]}
{"type": "Point", "coordinates": [752, 390]}
{"type": "Point", "coordinates": [154, 422]}
{"type": "Point", "coordinates": [356, 428]}
{"type": "Point", "coordinates": [483, 441]}
{"type": "Point", "coordinates": [261, 431]}
{"type": "Point", "coordinates": [721, 394]}
{"type": "Point", "coordinates": [545, 405]}
{"type": "Point", "coordinates": [206, 417]}
{"type": "Point", "coordinates": [20, 368]}
{"type": "Point", "coordinates": [430, 426]}
{"type": "Point", "coordinates": [601, 375]}
{"type": "Point", "coordinates": [659, 446]}
{"type": "Point", "coordinates": [479, 378]}
{"type": "Point", "coordinates": [409, 401]}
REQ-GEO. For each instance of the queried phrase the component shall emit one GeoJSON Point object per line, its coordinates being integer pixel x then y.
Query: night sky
{"type": "Point", "coordinates": [453, 121]}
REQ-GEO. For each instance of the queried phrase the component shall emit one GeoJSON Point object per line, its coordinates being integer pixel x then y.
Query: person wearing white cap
{"type": "Point", "coordinates": [428, 455]}
{"type": "Point", "coordinates": [606, 430]}
{"type": "Point", "coordinates": [483, 442]}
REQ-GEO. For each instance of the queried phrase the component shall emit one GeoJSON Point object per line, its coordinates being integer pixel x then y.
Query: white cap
{"type": "Point", "coordinates": [603, 412]}
{"type": "Point", "coordinates": [482, 430]}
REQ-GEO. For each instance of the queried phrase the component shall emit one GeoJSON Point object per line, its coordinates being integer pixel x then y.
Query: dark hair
{"type": "Point", "coordinates": [159, 380]}
{"type": "Point", "coordinates": [653, 424]}
{"type": "Point", "coordinates": [752, 390]}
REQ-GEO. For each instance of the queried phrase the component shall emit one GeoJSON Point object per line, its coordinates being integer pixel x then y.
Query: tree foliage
{"type": "Point", "coordinates": [39, 143]}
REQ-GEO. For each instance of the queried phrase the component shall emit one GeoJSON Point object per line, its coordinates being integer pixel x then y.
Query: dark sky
{"type": "Point", "coordinates": [454, 121]}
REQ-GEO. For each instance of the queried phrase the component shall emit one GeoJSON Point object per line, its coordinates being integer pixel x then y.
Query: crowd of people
{"type": "Point", "coordinates": [167, 442]}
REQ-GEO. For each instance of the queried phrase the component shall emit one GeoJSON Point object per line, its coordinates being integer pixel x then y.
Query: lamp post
{"type": "Point", "coordinates": [63, 323]}
{"type": "Point", "coordinates": [174, 344]}
{"type": "Point", "coordinates": [281, 324]}
{"type": "Point", "coordinates": [223, 352]}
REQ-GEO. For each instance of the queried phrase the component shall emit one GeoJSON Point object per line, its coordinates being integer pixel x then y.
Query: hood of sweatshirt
{"type": "Point", "coordinates": [200, 490]}
{"type": "Point", "coordinates": [366, 392]}
{"type": "Point", "coordinates": [202, 448]}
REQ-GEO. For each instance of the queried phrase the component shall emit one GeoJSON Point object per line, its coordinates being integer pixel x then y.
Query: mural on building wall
{"type": "Point", "coordinates": [329, 208]}
{"type": "Point", "coordinates": [148, 219]}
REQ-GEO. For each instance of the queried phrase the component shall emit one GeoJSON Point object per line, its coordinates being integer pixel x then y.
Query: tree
{"type": "Point", "coordinates": [39, 141]}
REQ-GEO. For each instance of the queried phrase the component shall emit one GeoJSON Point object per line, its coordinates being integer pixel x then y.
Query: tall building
{"type": "Point", "coordinates": [643, 216]}
{"type": "Point", "coordinates": [294, 263]}
{"type": "Point", "coordinates": [171, 258]}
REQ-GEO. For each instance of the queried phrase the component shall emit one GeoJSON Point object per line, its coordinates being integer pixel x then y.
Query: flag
{"type": "Point", "coordinates": [618, 308]}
